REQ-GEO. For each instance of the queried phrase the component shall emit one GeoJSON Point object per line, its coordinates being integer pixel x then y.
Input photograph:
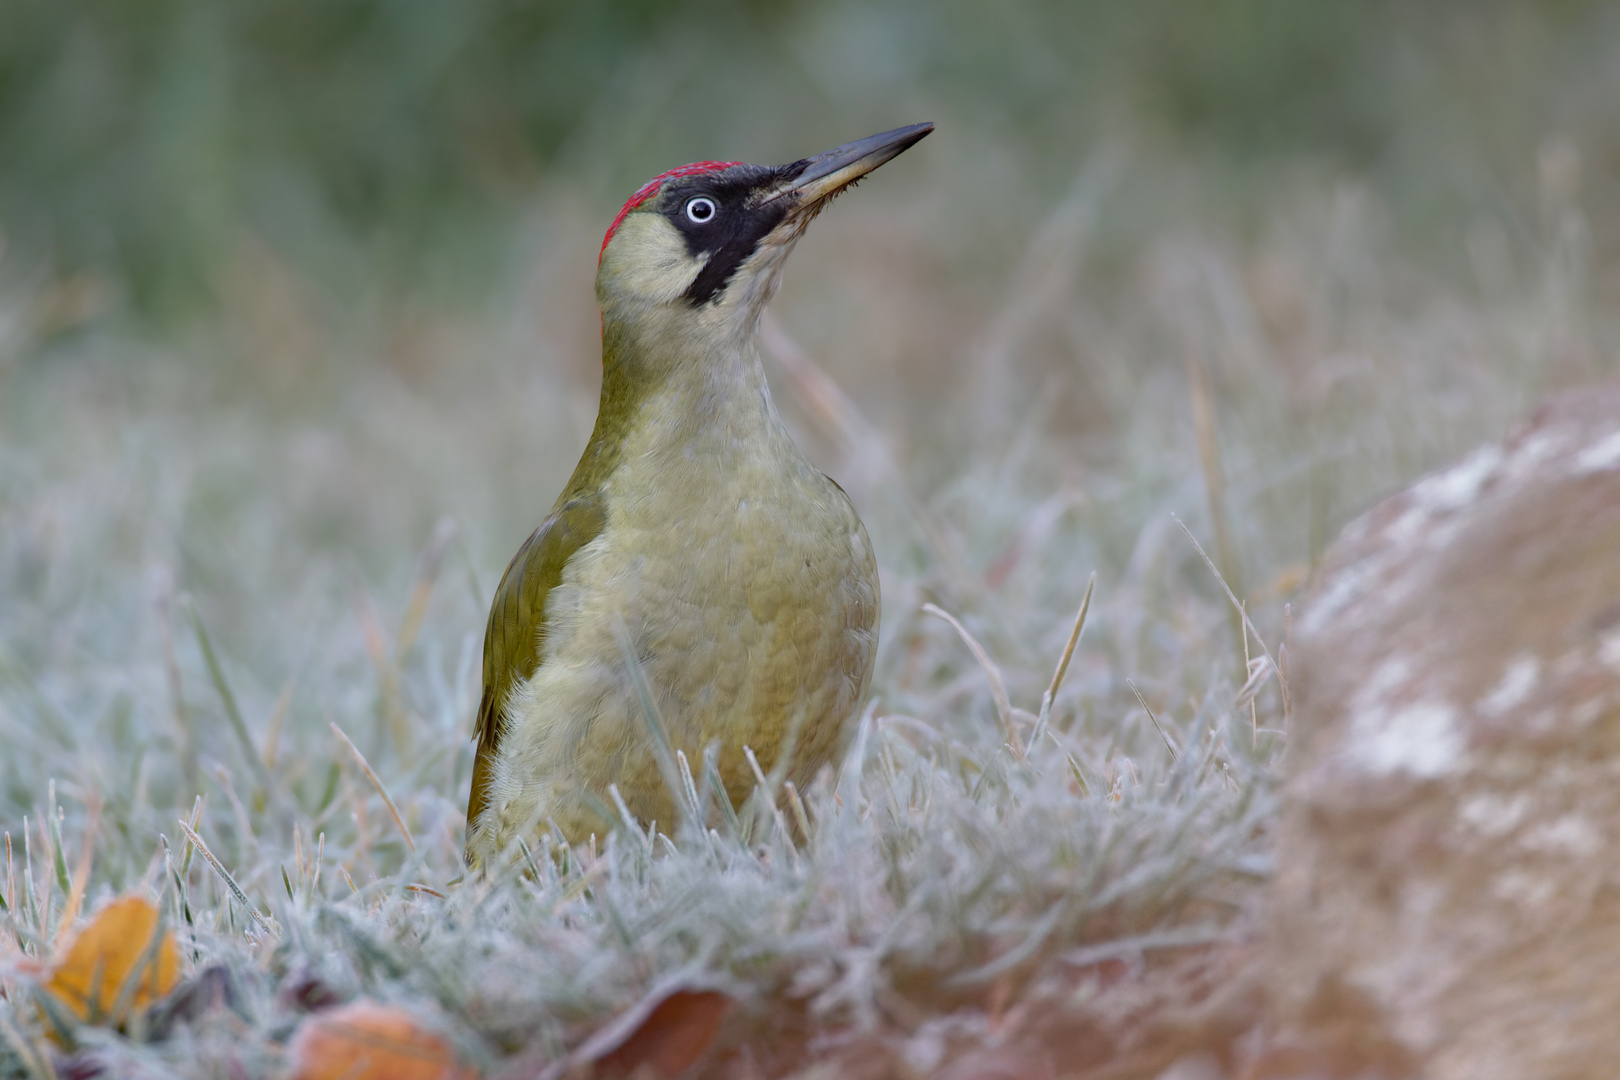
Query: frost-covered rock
{"type": "Point", "coordinates": [1447, 900]}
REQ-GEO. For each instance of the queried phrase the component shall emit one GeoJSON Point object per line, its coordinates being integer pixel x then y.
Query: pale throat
{"type": "Point", "coordinates": [691, 390]}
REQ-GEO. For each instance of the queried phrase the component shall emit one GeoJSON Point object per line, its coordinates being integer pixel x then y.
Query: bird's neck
{"type": "Point", "coordinates": [675, 399]}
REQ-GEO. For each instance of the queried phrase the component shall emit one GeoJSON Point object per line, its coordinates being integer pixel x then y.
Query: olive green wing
{"type": "Point", "coordinates": [516, 622]}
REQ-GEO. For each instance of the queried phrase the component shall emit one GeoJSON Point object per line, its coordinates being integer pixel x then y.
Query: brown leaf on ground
{"type": "Point", "coordinates": [1109, 1020]}
{"type": "Point", "coordinates": [366, 1040]}
{"type": "Point", "coordinates": [663, 1036]}
{"type": "Point", "coordinates": [117, 964]}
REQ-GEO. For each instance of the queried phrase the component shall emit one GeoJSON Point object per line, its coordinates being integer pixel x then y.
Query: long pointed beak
{"type": "Point", "coordinates": [829, 173]}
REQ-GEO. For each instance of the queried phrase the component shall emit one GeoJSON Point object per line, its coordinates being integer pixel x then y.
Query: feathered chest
{"type": "Point", "coordinates": [728, 521]}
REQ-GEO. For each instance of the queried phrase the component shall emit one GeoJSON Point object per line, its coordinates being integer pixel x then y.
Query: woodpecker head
{"type": "Point", "coordinates": [698, 251]}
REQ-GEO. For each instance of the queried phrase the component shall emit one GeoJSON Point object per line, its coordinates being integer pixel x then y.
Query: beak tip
{"type": "Point", "coordinates": [903, 138]}
{"type": "Point", "coordinates": [828, 173]}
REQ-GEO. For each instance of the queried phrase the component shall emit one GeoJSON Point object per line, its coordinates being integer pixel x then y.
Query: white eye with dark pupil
{"type": "Point", "coordinates": [700, 209]}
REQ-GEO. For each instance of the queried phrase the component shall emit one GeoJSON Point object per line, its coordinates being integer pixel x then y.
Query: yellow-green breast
{"type": "Point", "coordinates": [746, 584]}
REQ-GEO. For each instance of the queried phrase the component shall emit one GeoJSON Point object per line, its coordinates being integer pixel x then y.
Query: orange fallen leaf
{"type": "Point", "coordinates": [663, 1036]}
{"type": "Point", "coordinates": [117, 964]}
{"type": "Point", "coordinates": [366, 1040]}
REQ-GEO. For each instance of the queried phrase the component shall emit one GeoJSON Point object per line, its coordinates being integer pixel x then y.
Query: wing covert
{"type": "Point", "coordinates": [516, 621]}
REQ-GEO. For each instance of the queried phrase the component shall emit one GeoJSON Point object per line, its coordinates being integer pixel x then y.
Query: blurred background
{"type": "Point", "coordinates": [297, 325]}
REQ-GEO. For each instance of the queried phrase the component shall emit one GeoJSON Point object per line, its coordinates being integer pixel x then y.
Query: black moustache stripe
{"type": "Point", "coordinates": [732, 252]}
{"type": "Point", "coordinates": [738, 225]}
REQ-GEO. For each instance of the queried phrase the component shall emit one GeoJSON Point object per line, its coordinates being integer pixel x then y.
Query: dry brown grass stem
{"type": "Point", "coordinates": [1168, 745]}
{"type": "Point", "coordinates": [998, 688]}
{"type": "Point", "coordinates": [376, 782]}
{"type": "Point", "coordinates": [1068, 653]}
{"type": "Point", "coordinates": [800, 818]}
{"type": "Point", "coordinates": [1237, 605]}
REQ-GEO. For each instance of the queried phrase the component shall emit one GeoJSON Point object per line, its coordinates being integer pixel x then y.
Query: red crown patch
{"type": "Point", "coordinates": [650, 188]}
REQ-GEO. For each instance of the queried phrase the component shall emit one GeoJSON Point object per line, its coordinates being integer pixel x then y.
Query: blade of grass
{"type": "Point", "coordinates": [232, 712]}
{"type": "Point", "coordinates": [183, 719]}
{"type": "Point", "coordinates": [712, 780]}
{"type": "Point", "coordinates": [225, 876]}
{"type": "Point", "coordinates": [30, 889]}
{"type": "Point", "coordinates": [998, 689]}
{"type": "Point", "coordinates": [1236, 604]}
{"type": "Point", "coordinates": [81, 873]}
{"type": "Point", "coordinates": [64, 879]}
{"type": "Point", "coordinates": [1155, 719]}
{"type": "Point", "coordinates": [630, 822]}
{"type": "Point", "coordinates": [797, 805]}
{"type": "Point", "coordinates": [1063, 663]}
{"type": "Point", "coordinates": [190, 849]}
{"type": "Point", "coordinates": [35, 1060]}
{"type": "Point", "coordinates": [377, 783]}
{"type": "Point", "coordinates": [663, 751]}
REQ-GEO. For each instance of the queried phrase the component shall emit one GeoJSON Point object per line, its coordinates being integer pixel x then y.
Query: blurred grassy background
{"type": "Point", "coordinates": [390, 146]}
{"type": "Point", "coordinates": [296, 322]}
{"type": "Point", "coordinates": [327, 217]}
{"type": "Point", "coordinates": [285, 284]}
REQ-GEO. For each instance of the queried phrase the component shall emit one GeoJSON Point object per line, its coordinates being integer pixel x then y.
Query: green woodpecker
{"type": "Point", "coordinates": [698, 582]}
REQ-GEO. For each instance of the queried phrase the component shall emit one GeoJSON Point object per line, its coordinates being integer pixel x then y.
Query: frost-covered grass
{"type": "Point", "coordinates": [217, 550]}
